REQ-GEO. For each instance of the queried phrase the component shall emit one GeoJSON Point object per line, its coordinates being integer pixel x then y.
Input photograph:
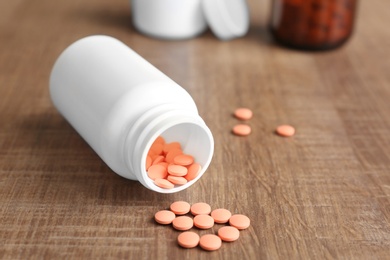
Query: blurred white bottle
{"type": "Point", "coordinates": [169, 19]}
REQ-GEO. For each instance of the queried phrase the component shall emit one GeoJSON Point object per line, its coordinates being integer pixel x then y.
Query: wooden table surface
{"type": "Point", "coordinates": [323, 193]}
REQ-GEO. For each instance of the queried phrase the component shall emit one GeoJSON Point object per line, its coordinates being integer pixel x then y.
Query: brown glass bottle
{"type": "Point", "coordinates": [313, 24]}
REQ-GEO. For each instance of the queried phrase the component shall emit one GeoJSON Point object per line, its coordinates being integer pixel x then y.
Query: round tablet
{"type": "Point", "coordinates": [193, 171]}
{"type": "Point", "coordinates": [210, 242]}
{"type": "Point", "coordinates": [200, 208]}
{"type": "Point", "coordinates": [159, 140]}
{"type": "Point", "coordinates": [203, 221]}
{"type": "Point", "coordinates": [164, 164]}
{"type": "Point", "coordinates": [243, 113]}
{"type": "Point", "coordinates": [158, 159]}
{"type": "Point", "coordinates": [183, 223]}
{"type": "Point", "coordinates": [164, 217]}
{"type": "Point", "coordinates": [148, 162]}
{"type": "Point", "coordinates": [157, 172]}
{"type": "Point", "coordinates": [183, 159]}
{"type": "Point", "coordinates": [177, 170]}
{"type": "Point", "coordinates": [285, 130]}
{"type": "Point", "coordinates": [188, 239]}
{"type": "Point", "coordinates": [172, 154]}
{"type": "Point", "coordinates": [239, 221]}
{"type": "Point", "coordinates": [156, 148]}
{"type": "Point", "coordinates": [228, 233]}
{"type": "Point", "coordinates": [221, 215]}
{"type": "Point", "coordinates": [171, 146]}
{"type": "Point", "coordinates": [242, 130]}
{"type": "Point", "coordinates": [177, 180]}
{"type": "Point", "coordinates": [163, 183]}
{"type": "Point", "coordinates": [180, 207]}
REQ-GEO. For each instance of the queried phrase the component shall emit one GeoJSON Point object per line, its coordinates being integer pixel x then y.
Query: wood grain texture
{"type": "Point", "coordinates": [322, 194]}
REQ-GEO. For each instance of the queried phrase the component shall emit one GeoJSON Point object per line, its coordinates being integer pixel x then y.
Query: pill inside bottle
{"type": "Point", "coordinates": [168, 166]}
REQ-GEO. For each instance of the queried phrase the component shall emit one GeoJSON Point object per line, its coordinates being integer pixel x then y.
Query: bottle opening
{"type": "Point", "coordinates": [195, 140]}
{"type": "Point", "coordinates": [174, 124]}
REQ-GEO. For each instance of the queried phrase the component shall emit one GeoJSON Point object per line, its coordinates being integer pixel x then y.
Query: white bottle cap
{"type": "Point", "coordinates": [227, 19]}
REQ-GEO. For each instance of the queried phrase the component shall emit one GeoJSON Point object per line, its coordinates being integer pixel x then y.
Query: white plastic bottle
{"type": "Point", "coordinates": [169, 19]}
{"type": "Point", "coordinates": [119, 103]}
{"type": "Point", "coordinates": [182, 19]}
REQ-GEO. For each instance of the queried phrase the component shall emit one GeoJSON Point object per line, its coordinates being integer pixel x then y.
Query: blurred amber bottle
{"type": "Point", "coordinates": [313, 24]}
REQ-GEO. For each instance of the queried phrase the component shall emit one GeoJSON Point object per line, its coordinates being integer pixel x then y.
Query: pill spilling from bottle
{"type": "Point", "coordinates": [167, 165]}
{"type": "Point", "coordinates": [184, 217]}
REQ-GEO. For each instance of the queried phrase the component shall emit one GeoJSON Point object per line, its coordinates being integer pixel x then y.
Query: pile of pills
{"type": "Point", "coordinates": [202, 218]}
{"type": "Point", "coordinates": [167, 165]}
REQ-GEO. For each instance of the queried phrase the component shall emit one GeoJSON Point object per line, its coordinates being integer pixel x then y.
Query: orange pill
{"type": "Point", "coordinates": [203, 221]}
{"type": "Point", "coordinates": [164, 217]}
{"type": "Point", "coordinates": [164, 164]}
{"type": "Point", "coordinates": [188, 239]}
{"type": "Point", "coordinates": [157, 172]}
{"type": "Point", "coordinates": [193, 171]}
{"type": "Point", "coordinates": [158, 159]}
{"type": "Point", "coordinates": [183, 223]}
{"type": "Point", "coordinates": [159, 140]}
{"type": "Point", "coordinates": [156, 148]}
{"type": "Point", "coordinates": [239, 221]}
{"type": "Point", "coordinates": [221, 215]}
{"type": "Point", "coordinates": [163, 183]}
{"type": "Point", "coordinates": [243, 113]}
{"type": "Point", "coordinates": [210, 242]}
{"type": "Point", "coordinates": [177, 180]}
{"type": "Point", "coordinates": [183, 159]}
{"type": "Point", "coordinates": [170, 146]}
{"type": "Point", "coordinates": [148, 162]}
{"type": "Point", "coordinates": [200, 208]}
{"type": "Point", "coordinates": [153, 155]}
{"type": "Point", "coordinates": [285, 130]}
{"type": "Point", "coordinates": [177, 170]}
{"type": "Point", "coordinates": [172, 154]}
{"type": "Point", "coordinates": [180, 207]}
{"type": "Point", "coordinates": [242, 130]}
{"type": "Point", "coordinates": [228, 233]}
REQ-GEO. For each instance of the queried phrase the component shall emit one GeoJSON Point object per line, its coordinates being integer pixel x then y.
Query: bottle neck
{"type": "Point", "coordinates": [174, 124]}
